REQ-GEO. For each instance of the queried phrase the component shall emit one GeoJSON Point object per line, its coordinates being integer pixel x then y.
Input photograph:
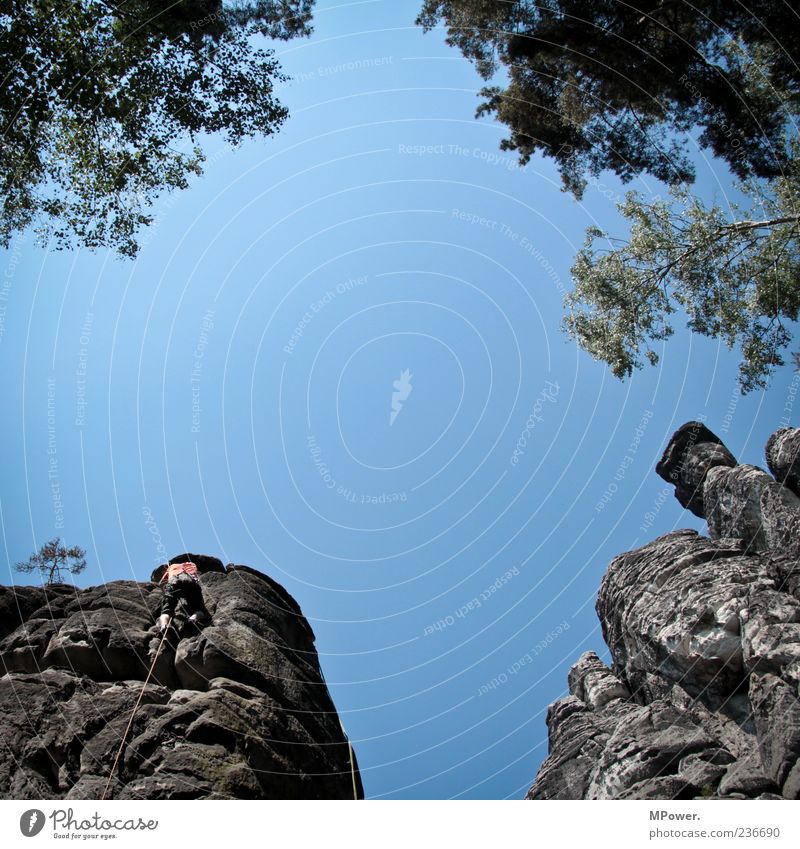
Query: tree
{"type": "Point", "coordinates": [52, 558]}
{"type": "Point", "coordinates": [103, 105]}
{"type": "Point", "coordinates": [735, 275]}
{"type": "Point", "coordinates": [600, 84]}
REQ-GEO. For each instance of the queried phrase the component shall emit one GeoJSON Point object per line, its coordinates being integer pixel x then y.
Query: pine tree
{"type": "Point", "coordinates": [52, 559]}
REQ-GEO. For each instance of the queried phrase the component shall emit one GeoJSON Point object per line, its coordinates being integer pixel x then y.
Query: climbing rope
{"type": "Point", "coordinates": [135, 708]}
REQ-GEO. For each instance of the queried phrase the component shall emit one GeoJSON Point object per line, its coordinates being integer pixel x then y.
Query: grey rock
{"type": "Point", "coordinates": [239, 709]}
{"type": "Point", "coordinates": [780, 517]}
{"type": "Point", "coordinates": [746, 776]}
{"type": "Point", "coordinates": [673, 787]}
{"type": "Point", "coordinates": [594, 683]}
{"type": "Point", "coordinates": [706, 768]}
{"type": "Point", "coordinates": [205, 565]}
{"type": "Point", "coordinates": [791, 786]}
{"type": "Point", "coordinates": [672, 608]}
{"type": "Point", "coordinates": [577, 737]}
{"type": "Point", "coordinates": [785, 571]}
{"type": "Point", "coordinates": [702, 698]}
{"type": "Point", "coordinates": [732, 504]}
{"type": "Point", "coordinates": [777, 715]}
{"type": "Point", "coordinates": [690, 454]}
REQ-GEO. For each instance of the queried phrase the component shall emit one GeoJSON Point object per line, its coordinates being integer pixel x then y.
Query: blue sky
{"type": "Point", "coordinates": [230, 392]}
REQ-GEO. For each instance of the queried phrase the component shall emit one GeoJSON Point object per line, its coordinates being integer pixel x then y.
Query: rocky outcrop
{"type": "Point", "coordinates": [702, 698]}
{"type": "Point", "coordinates": [236, 709]}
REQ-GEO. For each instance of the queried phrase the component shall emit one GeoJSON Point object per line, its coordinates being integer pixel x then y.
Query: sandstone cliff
{"type": "Point", "coordinates": [237, 709]}
{"type": "Point", "coordinates": [704, 633]}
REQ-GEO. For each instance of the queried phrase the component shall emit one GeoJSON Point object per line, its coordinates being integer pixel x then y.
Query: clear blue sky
{"type": "Point", "coordinates": [281, 296]}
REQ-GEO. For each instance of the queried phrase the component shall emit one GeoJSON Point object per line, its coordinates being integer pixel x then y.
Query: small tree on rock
{"type": "Point", "coordinates": [53, 558]}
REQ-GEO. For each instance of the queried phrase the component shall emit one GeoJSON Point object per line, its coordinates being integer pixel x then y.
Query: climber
{"type": "Point", "coordinates": [182, 582]}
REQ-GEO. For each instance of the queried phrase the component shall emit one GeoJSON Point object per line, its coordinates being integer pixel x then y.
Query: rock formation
{"type": "Point", "coordinates": [238, 709]}
{"type": "Point", "coordinates": [701, 700]}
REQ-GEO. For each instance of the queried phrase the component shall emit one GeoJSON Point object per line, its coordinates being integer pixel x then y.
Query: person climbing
{"type": "Point", "coordinates": [182, 582]}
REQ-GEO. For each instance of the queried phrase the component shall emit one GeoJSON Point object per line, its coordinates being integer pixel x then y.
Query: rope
{"type": "Point", "coordinates": [350, 751]}
{"type": "Point", "coordinates": [135, 708]}
{"type": "Point", "coordinates": [352, 769]}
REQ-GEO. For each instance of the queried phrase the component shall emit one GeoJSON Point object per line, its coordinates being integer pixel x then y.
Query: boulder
{"type": "Point", "coordinates": [238, 709]}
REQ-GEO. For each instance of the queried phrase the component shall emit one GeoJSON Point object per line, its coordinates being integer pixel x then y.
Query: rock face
{"type": "Point", "coordinates": [237, 709]}
{"type": "Point", "coordinates": [702, 700]}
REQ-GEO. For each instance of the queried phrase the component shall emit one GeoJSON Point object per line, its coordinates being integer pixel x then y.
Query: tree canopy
{"type": "Point", "coordinates": [734, 273]}
{"type": "Point", "coordinates": [599, 84]}
{"type": "Point", "coordinates": [103, 105]}
{"type": "Point", "coordinates": [630, 87]}
{"type": "Point", "coordinates": [52, 559]}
